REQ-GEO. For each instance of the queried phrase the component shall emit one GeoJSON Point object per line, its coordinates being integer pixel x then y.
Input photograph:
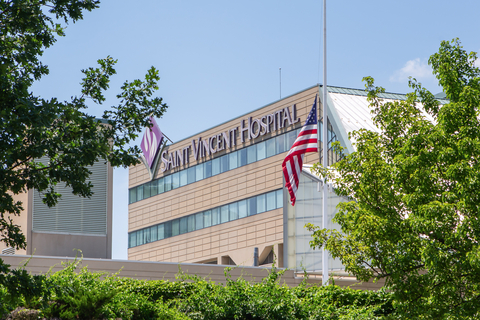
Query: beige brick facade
{"type": "Point", "coordinates": [235, 239]}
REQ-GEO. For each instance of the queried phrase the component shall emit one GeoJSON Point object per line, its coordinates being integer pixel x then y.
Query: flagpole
{"type": "Point", "coordinates": [325, 144]}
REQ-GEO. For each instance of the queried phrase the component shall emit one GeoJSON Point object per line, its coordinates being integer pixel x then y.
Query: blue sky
{"type": "Point", "coordinates": [220, 59]}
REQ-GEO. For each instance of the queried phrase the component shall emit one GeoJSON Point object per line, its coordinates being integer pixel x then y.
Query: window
{"type": "Point", "coordinates": [168, 183]}
{"type": "Point", "coordinates": [153, 188]}
{"type": "Point", "coordinates": [242, 209]}
{"type": "Point", "coordinates": [252, 206]}
{"type": "Point", "coordinates": [215, 166]}
{"type": "Point", "coordinates": [199, 221]}
{"type": "Point", "coordinates": [207, 218]}
{"type": "Point", "coordinates": [191, 173]}
{"type": "Point", "coordinates": [153, 233]}
{"type": "Point", "coordinates": [183, 177]}
{"type": "Point", "coordinates": [261, 151]}
{"type": "Point", "coordinates": [279, 194]}
{"type": "Point", "coordinates": [207, 169]}
{"type": "Point", "coordinates": [224, 214]}
{"type": "Point", "coordinates": [233, 211]}
{"type": "Point", "coordinates": [175, 180]}
{"type": "Point", "coordinates": [191, 223]}
{"type": "Point", "coordinates": [242, 157]}
{"type": "Point", "coordinates": [270, 147]}
{"type": "Point", "coordinates": [160, 232]}
{"type": "Point", "coordinates": [261, 203]}
{"type": "Point", "coordinates": [280, 143]}
{"type": "Point", "coordinates": [183, 225]}
{"type": "Point", "coordinates": [146, 190]}
{"type": "Point", "coordinates": [160, 186]}
{"type": "Point", "coordinates": [271, 201]}
{"type": "Point", "coordinates": [133, 195]}
{"type": "Point", "coordinates": [224, 163]}
{"type": "Point", "coordinates": [215, 216]}
{"type": "Point", "coordinates": [175, 227]}
{"type": "Point", "coordinates": [233, 160]}
{"type": "Point", "coordinates": [229, 212]}
{"type": "Point", "coordinates": [199, 172]}
{"type": "Point", "coordinates": [252, 154]}
{"type": "Point", "coordinates": [139, 193]}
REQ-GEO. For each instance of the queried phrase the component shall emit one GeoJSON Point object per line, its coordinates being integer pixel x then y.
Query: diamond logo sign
{"type": "Point", "coordinates": [151, 142]}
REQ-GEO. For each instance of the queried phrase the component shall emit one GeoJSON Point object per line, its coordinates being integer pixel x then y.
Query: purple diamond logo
{"type": "Point", "coordinates": [151, 142]}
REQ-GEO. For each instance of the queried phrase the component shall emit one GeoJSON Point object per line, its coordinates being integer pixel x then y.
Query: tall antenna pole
{"type": "Point", "coordinates": [280, 71]}
{"type": "Point", "coordinates": [325, 144]}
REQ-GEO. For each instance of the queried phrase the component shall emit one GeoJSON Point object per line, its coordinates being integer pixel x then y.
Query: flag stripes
{"type": "Point", "coordinates": [306, 142]}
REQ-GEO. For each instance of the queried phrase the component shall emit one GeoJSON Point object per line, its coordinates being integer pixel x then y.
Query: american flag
{"type": "Point", "coordinates": [306, 142]}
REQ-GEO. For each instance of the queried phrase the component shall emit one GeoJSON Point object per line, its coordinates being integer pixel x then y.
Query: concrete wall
{"type": "Point", "coordinates": [167, 271]}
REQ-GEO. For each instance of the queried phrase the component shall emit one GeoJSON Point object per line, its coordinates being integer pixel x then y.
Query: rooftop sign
{"type": "Point", "coordinates": [249, 129]}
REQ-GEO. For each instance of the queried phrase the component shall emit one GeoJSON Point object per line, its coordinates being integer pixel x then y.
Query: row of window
{"type": "Point", "coordinates": [229, 212]}
{"type": "Point", "coordinates": [230, 161]}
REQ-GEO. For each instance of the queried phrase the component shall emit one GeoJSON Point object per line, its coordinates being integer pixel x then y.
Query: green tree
{"type": "Point", "coordinates": [32, 127]}
{"type": "Point", "coordinates": [414, 218]}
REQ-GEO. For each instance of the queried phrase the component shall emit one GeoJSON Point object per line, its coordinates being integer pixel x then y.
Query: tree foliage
{"type": "Point", "coordinates": [81, 294]}
{"type": "Point", "coordinates": [33, 127]}
{"type": "Point", "coordinates": [414, 218]}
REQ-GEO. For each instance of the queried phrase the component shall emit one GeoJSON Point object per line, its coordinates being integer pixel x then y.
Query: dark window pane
{"type": "Point", "coordinates": [132, 240]}
{"type": "Point", "coordinates": [224, 213]}
{"type": "Point", "coordinates": [279, 198]}
{"type": "Point", "coordinates": [291, 137]}
{"type": "Point", "coordinates": [140, 193]}
{"type": "Point", "coordinates": [242, 157]}
{"type": "Point", "coordinates": [261, 151]}
{"type": "Point", "coordinates": [183, 225]}
{"type": "Point", "coordinates": [146, 235]}
{"type": "Point", "coordinates": [271, 202]}
{"type": "Point", "coordinates": [146, 190]}
{"type": "Point", "coordinates": [233, 209]}
{"type": "Point", "coordinates": [168, 183]}
{"type": "Point", "coordinates": [215, 166]}
{"type": "Point", "coordinates": [191, 223]}
{"type": "Point", "coordinates": [215, 216]}
{"type": "Point", "coordinates": [139, 237]}
{"type": "Point", "coordinates": [270, 147]}
{"type": "Point", "coordinates": [261, 203]}
{"type": "Point", "coordinates": [161, 231]}
{"type": "Point", "coordinates": [153, 188]}
{"type": "Point", "coordinates": [153, 233]}
{"type": "Point", "coordinates": [160, 186]}
{"type": "Point", "coordinates": [280, 143]}
{"type": "Point", "coordinates": [251, 154]}
{"type": "Point", "coordinates": [252, 206]}
{"type": "Point", "coordinates": [242, 209]}
{"type": "Point", "coordinates": [133, 195]}
{"type": "Point", "coordinates": [232, 160]}
{"type": "Point", "coordinates": [167, 229]}
{"type": "Point", "coordinates": [208, 169]}
{"type": "Point", "coordinates": [183, 178]}
{"type": "Point", "coordinates": [207, 218]}
{"type": "Point", "coordinates": [191, 175]}
{"type": "Point", "coordinates": [175, 180]}
{"type": "Point", "coordinates": [199, 221]}
{"type": "Point", "coordinates": [223, 163]}
{"type": "Point", "coordinates": [199, 172]}
{"type": "Point", "coordinates": [175, 227]}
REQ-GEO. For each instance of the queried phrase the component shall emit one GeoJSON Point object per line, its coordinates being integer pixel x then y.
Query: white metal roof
{"type": "Point", "coordinates": [354, 111]}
